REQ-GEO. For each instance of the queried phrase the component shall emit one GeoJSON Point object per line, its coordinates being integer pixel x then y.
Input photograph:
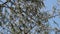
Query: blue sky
{"type": "Point", "coordinates": [48, 6]}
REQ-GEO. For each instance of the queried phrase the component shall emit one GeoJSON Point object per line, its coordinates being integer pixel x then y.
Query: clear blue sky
{"type": "Point", "coordinates": [50, 3]}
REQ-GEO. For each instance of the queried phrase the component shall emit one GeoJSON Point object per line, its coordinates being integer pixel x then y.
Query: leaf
{"type": "Point", "coordinates": [12, 27]}
{"type": "Point", "coordinates": [46, 32]}
{"type": "Point", "coordinates": [39, 22]}
{"type": "Point", "coordinates": [56, 23]}
{"type": "Point", "coordinates": [0, 24]}
{"type": "Point", "coordinates": [8, 0]}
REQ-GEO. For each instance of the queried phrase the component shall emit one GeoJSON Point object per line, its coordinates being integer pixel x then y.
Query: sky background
{"type": "Point", "coordinates": [48, 6]}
